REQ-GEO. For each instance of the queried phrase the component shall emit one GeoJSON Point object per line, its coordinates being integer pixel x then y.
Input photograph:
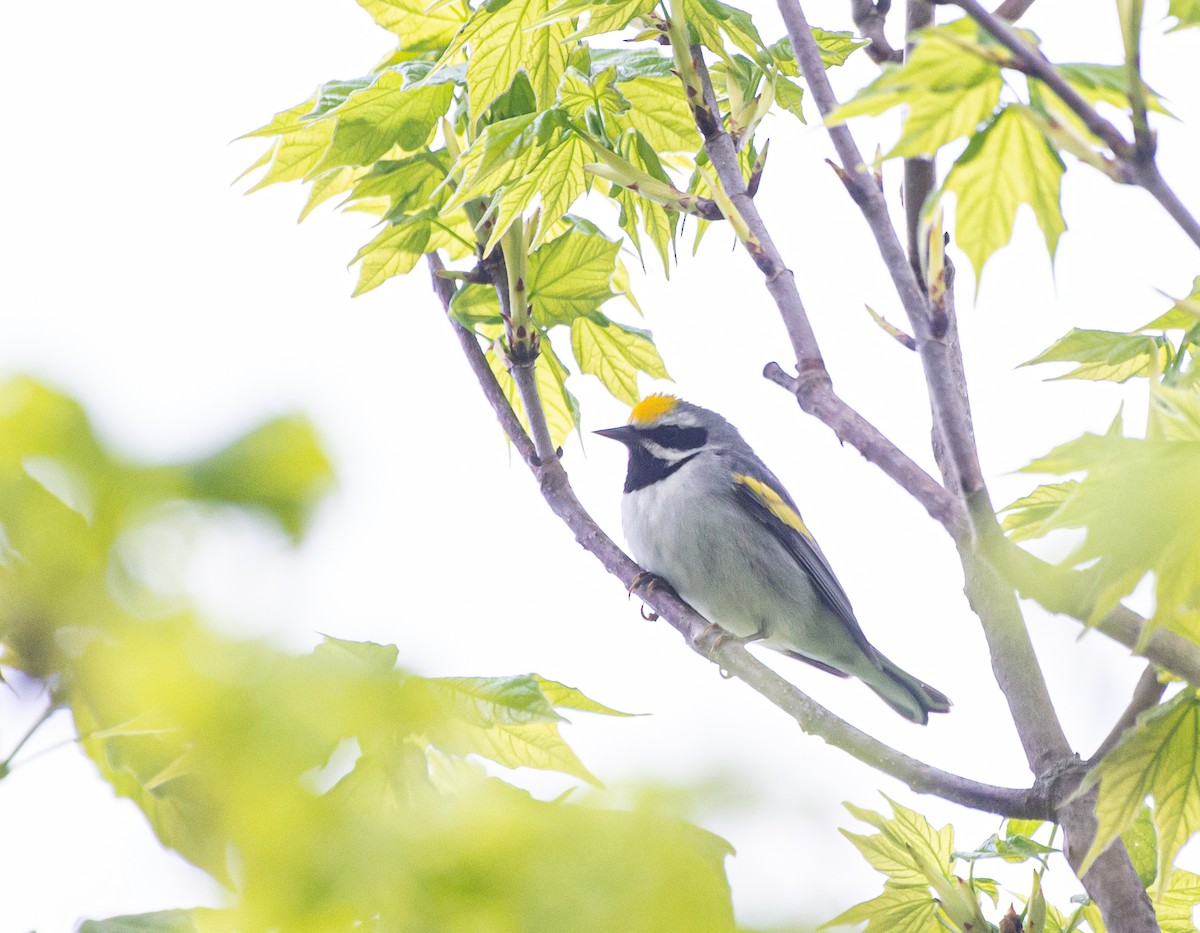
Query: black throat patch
{"type": "Point", "coordinates": [646, 469]}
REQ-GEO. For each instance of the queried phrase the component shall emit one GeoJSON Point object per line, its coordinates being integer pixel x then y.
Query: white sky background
{"type": "Point", "coordinates": [137, 278]}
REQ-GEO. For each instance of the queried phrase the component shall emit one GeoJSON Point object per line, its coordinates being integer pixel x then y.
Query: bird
{"type": "Point", "coordinates": [702, 512]}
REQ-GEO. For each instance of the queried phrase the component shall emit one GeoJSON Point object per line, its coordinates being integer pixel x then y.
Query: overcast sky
{"type": "Point", "coordinates": [137, 277]}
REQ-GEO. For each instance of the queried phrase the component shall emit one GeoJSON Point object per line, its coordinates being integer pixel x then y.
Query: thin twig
{"type": "Point", "coordinates": [1012, 10]}
{"type": "Point", "coordinates": [919, 174]}
{"type": "Point", "coordinates": [813, 387]}
{"type": "Point", "coordinates": [861, 185]}
{"type": "Point", "coordinates": [1137, 163]}
{"type": "Point", "coordinates": [1026, 693]}
{"type": "Point", "coordinates": [1146, 694]}
{"type": "Point", "coordinates": [1034, 63]}
{"type": "Point", "coordinates": [875, 447]}
{"type": "Point", "coordinates": [6, 764]}
{"type": "Point", "coordinates": [869, 18]}
{"type": "Point", "coordinates": [1013, 657]}
{"type": "Point", "coordinates": [731, 657]}
{"type": "Point", "coordinates": [1112, 882]}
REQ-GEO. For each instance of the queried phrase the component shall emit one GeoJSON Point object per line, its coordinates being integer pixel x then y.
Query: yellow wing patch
{"type": "Point", "coordinates": [652, 407]}
{"type": "Point", "coordinates": [773, 502]}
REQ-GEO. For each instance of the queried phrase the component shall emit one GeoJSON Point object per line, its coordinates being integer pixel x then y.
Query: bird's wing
{"type": "Point", "coordinates": [768, 502]}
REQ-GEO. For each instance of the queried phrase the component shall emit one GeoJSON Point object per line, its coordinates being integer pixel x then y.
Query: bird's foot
{"type": "Point", "coordinates": [712, 637]}
{"type": "Point", "coordinates": [649, 582]}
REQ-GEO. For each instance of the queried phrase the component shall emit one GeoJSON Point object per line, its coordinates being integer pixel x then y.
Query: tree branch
{"type": "Point", "coordinates": [813, 387]}
{"type": "Point", "coordinates": [851, 428]}
{"type": "Point", "coordinates": [1032, 62]}
{"type": "Point", "coordinates": [1070, 592]}
{"type": "Point", "coordinates": [1137, 162]}
{"type": "Point", "coordinates": [1146, 694]}
{"type": "Point", "coordinates": [732, 657]}
{"type": "Point", "coordinates": [1013, 657]}
{"type": "Point", "coordinates": [870, 16]}
{"type": "Point", "coordinates": [1012, 10]}
{"type": "Point", "coordinates": [919, 174]}
{"type": "Point", "coordinates": [1112, 882]}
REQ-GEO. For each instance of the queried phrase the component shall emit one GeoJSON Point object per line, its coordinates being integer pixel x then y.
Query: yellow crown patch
{"type": "Point", "coordinates": [651, 408]}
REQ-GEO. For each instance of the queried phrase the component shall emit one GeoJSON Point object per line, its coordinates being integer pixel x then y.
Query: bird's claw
{"type": "Point", "coordinates": [646, 578]}
{"type": "Point", "coordinates": [714, 635]}
{"type": "Point", "coordinates": [651, 582]}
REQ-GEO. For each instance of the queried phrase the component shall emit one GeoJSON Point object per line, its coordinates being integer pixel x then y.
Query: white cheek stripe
{"type": "Point", "coordinates": [669, 454]}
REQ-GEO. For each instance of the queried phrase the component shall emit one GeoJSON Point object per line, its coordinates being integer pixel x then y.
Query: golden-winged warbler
{"type": "Point", "coordinates": [704, 513]}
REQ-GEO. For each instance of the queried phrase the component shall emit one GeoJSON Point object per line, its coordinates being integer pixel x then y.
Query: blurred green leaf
{"type": "Point", "coordinates": [896, 910]}
{"type": "Point", "coordinates": [1141, 842]}
{"type": "Point", "coordinates": [1033, 515]}
{"type": "Point", "coordinates": [1106, 355]}
{"type": "Point", "coordinates": [362, 655]}
{"type": "Point", "coordinates": [1183, 315]}
{"type": "Point", "coordinates": [200, 920]}
{"type": "Point", "coordinates": [278, 468]}
{"type": "Point", "coordinates": [1026, 828]}
{"type": "Point", "coordinates": [906, 846]}
{"type": "Point", "coordinates": [1106, 84]}
{"type": "Point", "coordinates": [1187, 12]}
{"type": "Point", "coordinates": [1136, 506]}
{"type": "Point", "coordinates": [561, 696]}
{"type": "Point", "coordinates": [1175, 905]}
{"type": "Point", "coordinates": [1159, 758]}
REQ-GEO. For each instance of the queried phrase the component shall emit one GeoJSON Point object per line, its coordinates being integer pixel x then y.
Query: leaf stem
{"type": "Point", "coordinates": [1146, 694]}
{"type": "Point", "coordinates": [522, 337]}
{"type": "Point", "coordinates": [705, 113]}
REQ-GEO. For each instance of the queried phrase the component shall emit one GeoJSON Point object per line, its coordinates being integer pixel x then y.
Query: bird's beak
{"type": "Point", "coordinates": [624, 434]}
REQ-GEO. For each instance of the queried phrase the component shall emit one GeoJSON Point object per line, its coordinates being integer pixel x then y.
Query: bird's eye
{"type": "Point", "coordinates": [674, 437]}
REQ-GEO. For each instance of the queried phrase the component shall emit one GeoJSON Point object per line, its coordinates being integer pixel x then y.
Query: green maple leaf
{"type": "Point", "coordinates": [503, 38]}
{"type": "Point", "coordinates": [615, 354]}
{"type": "Point", "coordinates": [1007, 165]}
{"type": "Point", "coordinates": [571, 275]}
{"type": "Point", "coordinates": [1105, 355]}
{"type": "Point", "coordinates": [419, 28]}
{"type": "Point", "coordinates": [658, 111]}
{"type": "Point", "coordinates": [896, 910]}
{"type": "Point", "coordinates": [1159, 758]}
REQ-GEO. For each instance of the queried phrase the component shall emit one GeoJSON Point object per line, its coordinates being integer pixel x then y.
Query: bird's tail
{"type": "Point", "coordinates": [911, 698]}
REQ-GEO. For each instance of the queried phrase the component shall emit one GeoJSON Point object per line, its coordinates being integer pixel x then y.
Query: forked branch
{"type": "Point", "coordinates": [1034, 803]}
